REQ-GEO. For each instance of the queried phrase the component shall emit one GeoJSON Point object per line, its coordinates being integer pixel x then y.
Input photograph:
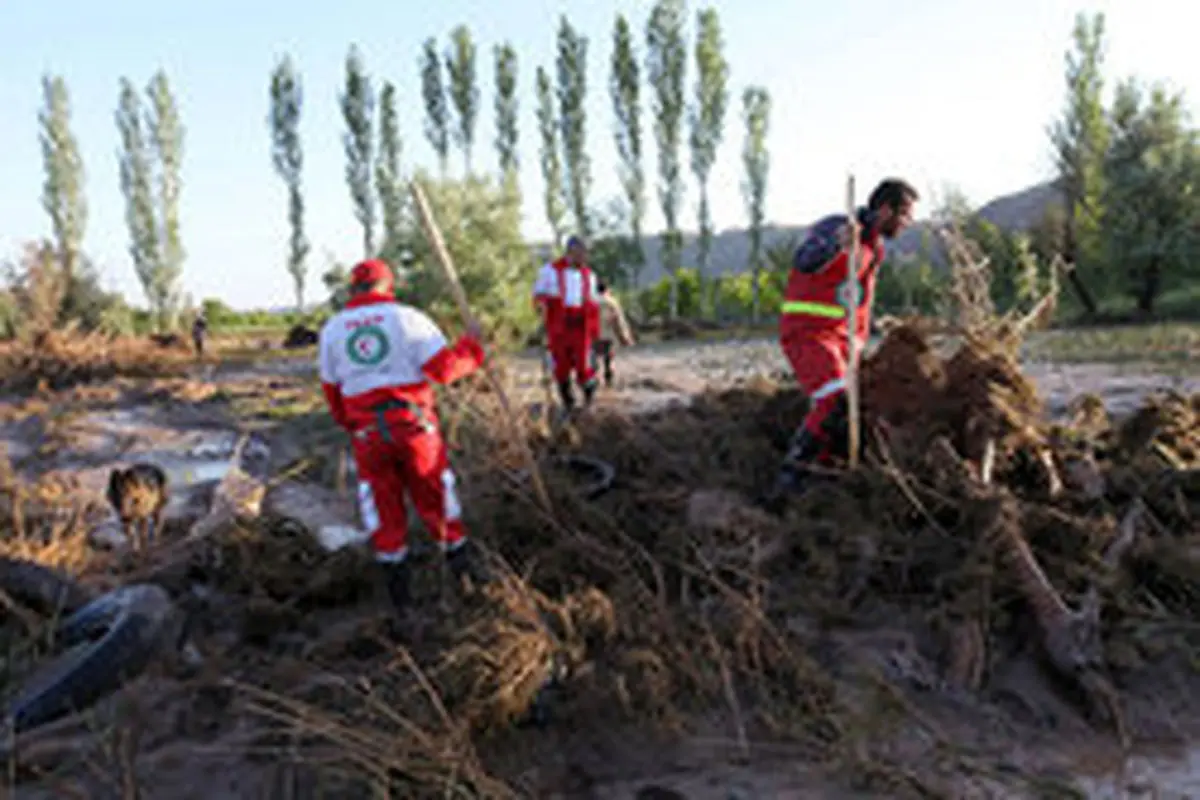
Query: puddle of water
{"type": "Point", "coordinates": [189, 473]}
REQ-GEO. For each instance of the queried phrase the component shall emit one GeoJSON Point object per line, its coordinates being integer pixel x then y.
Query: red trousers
{"type": "Point", "coordinates": [819, 364]}
{"type": "Point", "coordinates": [571, 352]}
{"type": "Point", "coordinates": [407, 459]}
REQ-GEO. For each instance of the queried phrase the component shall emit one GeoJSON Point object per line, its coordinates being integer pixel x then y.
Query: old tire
{"type": "Point", "coordinates": [47, 591]}
{"type": "Point", "coordinates": [598, 474]}
{"type": "Point", "coordinates": [103, 644]}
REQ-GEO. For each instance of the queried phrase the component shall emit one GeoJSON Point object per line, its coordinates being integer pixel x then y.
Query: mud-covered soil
{"type": "Point", "coordinates": [189, 746]}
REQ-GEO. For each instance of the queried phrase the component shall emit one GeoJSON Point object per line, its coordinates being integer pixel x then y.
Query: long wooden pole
{"type": "Point", "coordinates": [851, 295]}
{"type": "Point", "coordinates": [442, 254]}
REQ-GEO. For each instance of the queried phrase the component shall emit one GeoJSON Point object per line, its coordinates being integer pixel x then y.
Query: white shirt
{"type": "Point", "coordinates": [376, 346]}
{"type": "Point", "coordinates": [546, 285]}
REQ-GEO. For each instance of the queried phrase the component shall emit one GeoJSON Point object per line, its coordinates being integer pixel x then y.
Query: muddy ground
{"type": "Point", "coordinates": [190, 428]}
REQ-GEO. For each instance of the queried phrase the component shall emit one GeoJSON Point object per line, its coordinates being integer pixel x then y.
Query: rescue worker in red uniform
{"type": "Point", "coordinates": [377, 359]}
{"type": "Point", "coordinates": [813, 330]}
{"type": "Point", "coordinates": [567, 294]}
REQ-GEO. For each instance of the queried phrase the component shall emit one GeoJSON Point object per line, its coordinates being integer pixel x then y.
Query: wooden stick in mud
{"type": "Point", "coordinates": [850, 298]}
{"type": "Point", "coordinates": [442, 254]}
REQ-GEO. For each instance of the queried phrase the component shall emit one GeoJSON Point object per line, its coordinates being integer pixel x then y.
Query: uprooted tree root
{"type": "Point", "coordinates": [974, 525]}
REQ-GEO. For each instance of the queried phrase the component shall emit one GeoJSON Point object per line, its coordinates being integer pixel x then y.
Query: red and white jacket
{"type": "Point", "coordinates": [376, 350]}
{"type": "Point", "coordinates": [565, 292]}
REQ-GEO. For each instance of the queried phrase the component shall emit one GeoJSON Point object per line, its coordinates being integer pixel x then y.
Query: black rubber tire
{"type": "Point", "coordinates": [603, 474]}
{"type": "Point", "coordinates": [126, 624]}
{"type": "Point", "coordinates": [45, 590]}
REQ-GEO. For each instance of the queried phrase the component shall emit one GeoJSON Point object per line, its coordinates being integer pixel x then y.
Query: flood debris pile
{"type": "Point", "coordinates": [977, 532]}
{"type": "Point", "coordinates": [57, 359]}
{"type": "Point", "coordinates": [995, 532]}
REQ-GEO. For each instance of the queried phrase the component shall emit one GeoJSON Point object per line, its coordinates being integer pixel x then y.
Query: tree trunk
{"type": "Point", "coordinates": [1070, 254]}
{"type": "Point", "coordinates": [1151, 285]}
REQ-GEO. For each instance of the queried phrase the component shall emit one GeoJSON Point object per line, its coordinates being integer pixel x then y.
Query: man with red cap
{"type": "Point", "coordinates": [377, 359]}
{"type": "Point", "coordinates": [813, 330]}
{"type": "Point", "coordinates": [567, 295]}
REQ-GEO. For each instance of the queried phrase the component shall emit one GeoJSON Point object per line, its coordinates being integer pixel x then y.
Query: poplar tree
{"type": "Point", "coordinates": [666, 63]}
{"type": "Point", "coordinates": [63, 188]}
{"type": "Point", "coordinates": [707, 118]}
{"type": "Point", "coordinates": [572, 99]}
{"type": "Point", "coordinates": [506, 109]}
{"type": "Point", "coordinates": [358, 111]}
{"type": "Point", "coordinates": [287, 156]}
{"type": "Point", "coordinates": [388, 180]}
{"type": "Point", "coordinates": [756, 111]}
{"type": "Point", "coordinates": [464, 91]}
{"type": "Point", "coordinates": [437, 111]}
{"type": "Point", "coordinates": [552, 175]}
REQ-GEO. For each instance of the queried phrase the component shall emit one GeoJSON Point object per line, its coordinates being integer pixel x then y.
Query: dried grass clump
{"type": "Point", "coordinates": [57, 359]}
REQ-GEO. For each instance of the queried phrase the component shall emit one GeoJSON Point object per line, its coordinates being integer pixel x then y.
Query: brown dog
{"type": "Point", "coordinates": [139, 495]}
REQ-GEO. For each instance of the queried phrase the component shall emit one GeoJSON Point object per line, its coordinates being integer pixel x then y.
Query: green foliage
{"type": "Point", "coordinates": [336, 279]}
{"type": "Point", "coordinates": [388, 180]}
{"type": "Point", "coordinates": [708, 116]}
{"type": "Point", "coordinates": [625, 88]}
{"type": "Point", "coordinates": [735, 295]}
{"type": "Point", "coordinates": [506, 109]}
{"type": "Point", "coordinates": [287, 156]}
{"type": "Point", "coordinates": [481, 223]}
{"type": "Point", "coordinates": [666, 64]}
{"type": "Point", "coordinates": [437, 109]}
{"type": "Point", "coordinates": [464, 90]}
{"type": "Point", "coordinates": [358, 111]}
{"type": "Point", "coordinates": [62, 192]}
{"type": "Point", "coordinates": [35, 289]}
{"type": "Point", "coordinates": [756, 111]}
{"type": "Point", "coordinates": [1080, 140]}
{"type": "Point", "coordinates": [1152, 203]}
{"type": "Point", "coordinates": [908, 286]}
{"type": "Point", "coordinates": [552, 174]}
{"type": "Point", "coordinates": [572, 98]}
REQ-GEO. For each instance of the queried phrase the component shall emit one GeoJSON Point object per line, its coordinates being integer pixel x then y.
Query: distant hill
{"type": "Point", "coordinates": [731, 247]}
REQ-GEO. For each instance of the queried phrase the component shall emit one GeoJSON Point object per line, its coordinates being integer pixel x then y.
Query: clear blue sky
{"type": "Point", "coordinates": [941, 91]}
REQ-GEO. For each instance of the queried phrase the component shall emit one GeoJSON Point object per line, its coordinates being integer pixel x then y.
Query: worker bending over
{"type": "Point", "coordinates": [813, 329]}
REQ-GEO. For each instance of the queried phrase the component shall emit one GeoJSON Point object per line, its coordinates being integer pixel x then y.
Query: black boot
{"type": "Point", "coordinates": [398, 581]}
{"type": "Point", "coordinates": [794, 474]}
{"type": "Point", "coordinates": [567, 395]}
{"type": "Point", "coordinates": [465, 561]}
{"type": "Point", "coordinates": [589, 393]}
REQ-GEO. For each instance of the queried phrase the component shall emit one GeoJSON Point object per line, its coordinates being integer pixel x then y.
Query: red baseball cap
{"type": "Point", "coordinates": [371, 271]}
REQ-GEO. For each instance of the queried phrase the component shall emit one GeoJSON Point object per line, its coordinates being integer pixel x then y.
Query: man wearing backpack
{"type": "Point", "coordinates": [813, 329]}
